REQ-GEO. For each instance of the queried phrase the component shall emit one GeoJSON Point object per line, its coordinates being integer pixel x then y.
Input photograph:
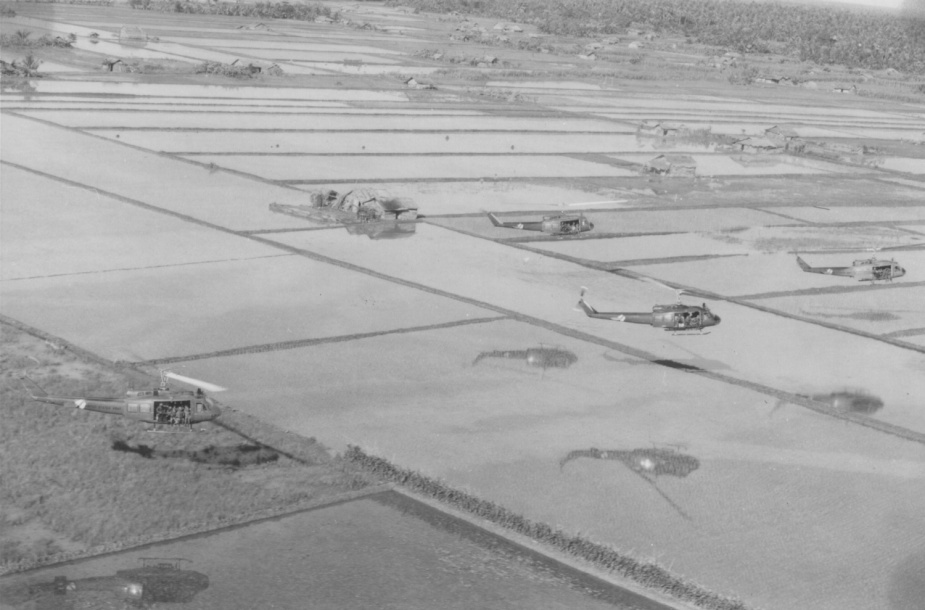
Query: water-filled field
{"type": "Point", "coordinates": [158, 312]}
{"type": "Point", "coordinates": [777, 475]}
{"type": "Point", "coordinates": [39, 236]}
{"type": "Point", "coordinates": [142, 203]}
{"type": "Point", "coordinates": [374, 142]}
{"type": "Point", "coordinates": [179, 120]}
{"type": "Point", "coordinates": [318, 168]}
{"type": "Point", "coordinates": [381, 552]}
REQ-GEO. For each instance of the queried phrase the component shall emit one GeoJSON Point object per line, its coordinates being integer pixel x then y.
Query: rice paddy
{"type": "Point", "coordinates": [136, 226]}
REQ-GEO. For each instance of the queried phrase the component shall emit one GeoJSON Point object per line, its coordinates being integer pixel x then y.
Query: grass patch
{"type": "Point", "coordinates": [65, 492]}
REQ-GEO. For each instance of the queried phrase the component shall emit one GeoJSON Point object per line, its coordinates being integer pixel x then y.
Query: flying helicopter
{"type": "Point", "coordinates": [675, 317]}
{"type": "Point", "coordinates": [558, 224]}
{"type": "Point", "coordinates": [865, 270]}
{"type": "Point", "coordinates": [158, 406]}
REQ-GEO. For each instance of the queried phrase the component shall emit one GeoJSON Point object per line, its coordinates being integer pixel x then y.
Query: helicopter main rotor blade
{"type": "Point", "coordinates": [651, 280]}
{"type": "Point", "coordinates": [205, 385]}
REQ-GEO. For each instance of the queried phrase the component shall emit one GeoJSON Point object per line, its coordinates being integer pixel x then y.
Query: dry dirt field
{"type": "Point", "coordinates": [136, 225]}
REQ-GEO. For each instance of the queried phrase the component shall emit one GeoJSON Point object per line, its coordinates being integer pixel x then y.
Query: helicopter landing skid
{"type": "Point", "coordinates": [172, 428]}
{"type": "Point", "coordinates": [682, 333]}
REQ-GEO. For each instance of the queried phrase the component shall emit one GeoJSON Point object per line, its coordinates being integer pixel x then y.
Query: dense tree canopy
{"type": "Point", "coordinates": [868, 39]}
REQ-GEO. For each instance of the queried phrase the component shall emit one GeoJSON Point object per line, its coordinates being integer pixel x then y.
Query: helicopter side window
{"type": "Point", "coordinates": [133, 407]}
{"type": "Point", "coordinates": [199, 407]}
{"type": "Point", "coordinates": [146, 407]}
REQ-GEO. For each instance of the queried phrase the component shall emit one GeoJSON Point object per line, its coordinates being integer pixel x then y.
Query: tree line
{"type": "Point", "coordinates": [825, 35]}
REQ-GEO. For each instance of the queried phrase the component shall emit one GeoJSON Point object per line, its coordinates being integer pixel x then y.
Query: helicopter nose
{"type": "Point", "coordinates": [591, 224]}
{"type": "Point", "coordinates": [716, 319]}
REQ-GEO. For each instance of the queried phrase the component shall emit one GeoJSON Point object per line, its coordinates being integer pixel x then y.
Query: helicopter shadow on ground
{"type": "Point", "coordinates": [647, 463]}
{"type": "Point", "coordinates": [537, 357]}
{"type": "Point", "coordinates": [857, 402]}
{"type": "Point", "coordinates": [234, 456]}
{"type": "Point", "coordinates": [688, 364]}
{"type": "Point", "coordinates": [157, 581]}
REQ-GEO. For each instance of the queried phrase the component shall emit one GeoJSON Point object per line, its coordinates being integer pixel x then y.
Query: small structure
{"type": "Point", "coordinates": [132, 33]}
{"type": "Point", "coordinates": [661, 130]}
{"type": "Point", "coordinates": [414, 84]}
{"type": "Point", "coordinates": [672, 165]}
{"type": "Point", "coordinates": [758, 146]}
{"type": "Point", "coordinates": [780, 133]}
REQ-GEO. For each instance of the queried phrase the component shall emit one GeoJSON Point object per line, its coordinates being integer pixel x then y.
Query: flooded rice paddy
{"type": "Point", "coordinates": [384, 551]}
{"type": "Point", "coordinates": [499, 428]}
{"type": "Point", "coordinates": [404, 167]}
{"type": "Point", "coordinates": [139, 230]}
{"type": "Point", "coordinates": [177, 120]}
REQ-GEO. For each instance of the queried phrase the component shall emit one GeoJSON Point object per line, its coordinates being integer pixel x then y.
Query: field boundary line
{"type": "Point", "coordinates": [157, 153]}
{"type": "Point", "coordinates": [526, 544]}
{"type": "Point", "coordinates": [299, 343]}
{"type": "Point", "coordinates": [174, 537]}
{"type": "Point", "coordinates": [824, 290]}
{"type": "Point", "coordinates": [115, 270]}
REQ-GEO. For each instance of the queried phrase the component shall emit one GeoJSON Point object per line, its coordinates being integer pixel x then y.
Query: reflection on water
{"type": "Point", "coordinates": [158, 580]}
{"type": "Point", "coordinates": [540, 357]}
{"type": "Point", "coordinates": [647, 463]}
{"type": "Point", "coordinates": [383, 229]}
{"type": "Point", "coordinates": [851, 402]}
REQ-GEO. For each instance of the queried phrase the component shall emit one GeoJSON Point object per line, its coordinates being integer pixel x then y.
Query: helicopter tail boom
{"type": "Point", "coordinates": [34, 390]}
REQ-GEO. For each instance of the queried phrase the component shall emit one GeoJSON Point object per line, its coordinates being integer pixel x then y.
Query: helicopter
{"type": "Point", "coordinates": [675, 317]}
{"type": "Point", "coordinates": [158, 406]}
{"type": "Point", "coordinates": [865, 270]}
{"type": "Point", "coordinates": [559, 224]}
{"type": "Point", "coordinates": [156, 581]}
